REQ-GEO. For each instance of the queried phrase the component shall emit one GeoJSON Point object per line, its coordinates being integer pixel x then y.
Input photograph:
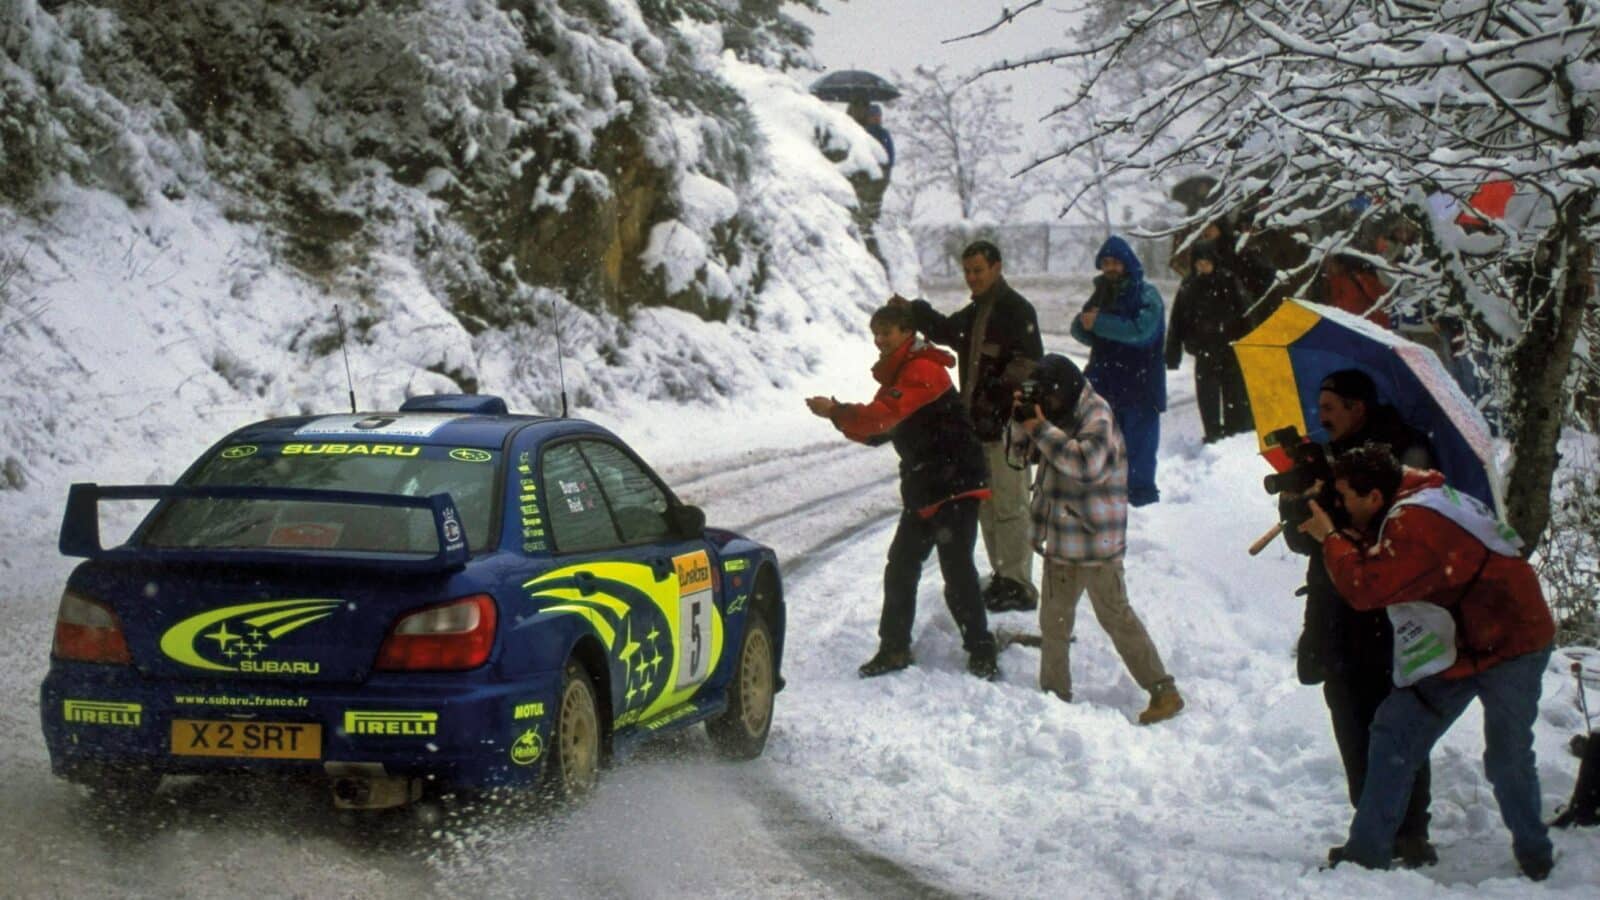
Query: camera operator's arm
{"type": "Point", "coordinates": [1406, 568]}
{"type": "Point", "coordinates": [1082, 456]}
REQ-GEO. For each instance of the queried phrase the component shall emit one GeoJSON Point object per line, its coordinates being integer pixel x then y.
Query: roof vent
{"type": "Point", "coordinates": [482, 404]}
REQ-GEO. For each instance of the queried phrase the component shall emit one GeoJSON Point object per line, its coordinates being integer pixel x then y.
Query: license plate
{"type": "Point", "coordinates": [251, 740]}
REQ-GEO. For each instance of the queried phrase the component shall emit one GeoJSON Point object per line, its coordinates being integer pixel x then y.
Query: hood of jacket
{"type": "Point", "coordinates": [1117, 248]}
{"type": "Point", "coordinates": [885, 369]}
{"type": "Point", "coordinates": [1413, 480]}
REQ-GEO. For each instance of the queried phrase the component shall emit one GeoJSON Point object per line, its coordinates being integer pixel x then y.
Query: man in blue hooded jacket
{"type": "Point", "coordinates": [1124, 324]}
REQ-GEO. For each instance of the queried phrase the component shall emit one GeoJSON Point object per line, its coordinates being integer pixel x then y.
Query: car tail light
{"type": "Point", "coordinates": [88, 631]}
{"type": "Point", "coordinates": [452, 636]}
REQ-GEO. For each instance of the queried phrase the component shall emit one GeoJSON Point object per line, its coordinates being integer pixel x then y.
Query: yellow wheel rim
{"type": "Point", "coordinates": [580, 738]}
{"type": "Point", "coordinates": [755, 682]}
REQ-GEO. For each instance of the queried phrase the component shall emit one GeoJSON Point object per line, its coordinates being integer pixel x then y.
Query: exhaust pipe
{"type": "Point", "coordinates": [367, 786]}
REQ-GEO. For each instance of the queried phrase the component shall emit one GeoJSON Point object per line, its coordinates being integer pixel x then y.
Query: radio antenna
{"type": "Point", "coordinates": [561, 372]}
{"type": "Point", "coordinates": [344, 349]}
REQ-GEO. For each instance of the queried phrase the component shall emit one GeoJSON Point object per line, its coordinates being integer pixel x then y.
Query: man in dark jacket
{"type": "Point", "coordinates": [998, 326]}
{"type": "Point", "coordinates": [942, 481]}
{"type": "Point", "coordinates": [1347, 650]}
{"type": "Point", "coordinates": [1123, 324]}
{"type": "Point", "coordinates": [1470, 623]}
{"type": "Point", "coordinates": [1208, 314]}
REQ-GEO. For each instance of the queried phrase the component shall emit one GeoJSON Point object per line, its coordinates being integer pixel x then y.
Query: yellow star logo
{"type": "Point", "coordinates": [222, 636]}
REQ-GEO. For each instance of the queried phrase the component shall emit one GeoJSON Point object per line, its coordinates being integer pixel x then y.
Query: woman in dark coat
{"type": "Point", "coordinates": [1208, 314]}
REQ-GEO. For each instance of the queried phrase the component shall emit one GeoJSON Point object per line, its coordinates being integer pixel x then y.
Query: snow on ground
{"type": "Point", "coordinates": [1006, 791]}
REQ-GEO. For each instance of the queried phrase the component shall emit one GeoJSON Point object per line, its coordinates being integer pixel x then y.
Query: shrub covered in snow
{"type": "Point", "coordinates": [193, 195]}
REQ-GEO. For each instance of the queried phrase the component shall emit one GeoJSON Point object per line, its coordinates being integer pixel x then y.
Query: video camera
{"type": "Point", "coordinates": [1031, 394]}
{"type": "Point", "coordinates": [1052, 383]}
{"type": "Point", "coordinates": [1310, 463]}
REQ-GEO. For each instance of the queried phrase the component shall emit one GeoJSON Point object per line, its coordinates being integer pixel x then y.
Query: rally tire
{"type": "Point", "coordinates": [576, 737]}
{"type": "Point", "coordinates": [741, 731]}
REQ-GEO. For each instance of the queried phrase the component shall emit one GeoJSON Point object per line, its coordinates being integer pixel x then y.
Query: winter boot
{"type": "Point", "coordinates": [1009, 595]}
{"type": "Point", "coordinates": [982, 663]}
{"type": "Point", "coordinates": [1415, 851]}
{"type": "Point", "coordinates": [990, 586]}
{"type": "Point", "coordinates": [1583, 809]}
{"type": "Point", "coordinates": [1536, 869]}
{"type": "Point", "coordinates": [883, 662]}
{"type": "Point", "coordinates": [1165, 702]}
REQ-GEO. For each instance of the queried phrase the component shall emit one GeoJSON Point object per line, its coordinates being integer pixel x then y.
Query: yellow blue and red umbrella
{"type": "Point", "coordinates": [1285, 359]}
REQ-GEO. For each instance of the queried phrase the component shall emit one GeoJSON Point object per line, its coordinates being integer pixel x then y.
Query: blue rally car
{"type": "Point", "coordinates": [443, 598]}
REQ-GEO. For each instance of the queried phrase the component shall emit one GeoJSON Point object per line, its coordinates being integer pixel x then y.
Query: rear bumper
{"type": "Point", "coordinates": [457, 730]}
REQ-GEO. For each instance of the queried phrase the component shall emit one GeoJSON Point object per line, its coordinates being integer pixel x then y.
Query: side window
{"type": "Point", "coordinates": [637, 501]}
{"type": "Point", "coordinates": [579, 519]}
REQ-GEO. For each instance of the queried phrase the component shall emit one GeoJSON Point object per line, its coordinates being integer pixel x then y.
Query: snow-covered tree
{"type": "Point", "coordinates": [513, 143]}
{"type": "Point", "coordinates": [959, 135]}
{"type": "Point", "coordinates": [1311, 107]}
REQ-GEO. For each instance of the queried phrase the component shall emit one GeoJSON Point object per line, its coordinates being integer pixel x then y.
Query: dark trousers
{"type": "Point", "coordinates": [1219, 393]}
{"type": "Point", "coordinates": [1353, 700]}
{"type": "Point", "coordinates": [954, 531]}
{"type": "Point", "coordinates": [1141, 434]}
{"type": "Point", "coordinates": [1408, 724]}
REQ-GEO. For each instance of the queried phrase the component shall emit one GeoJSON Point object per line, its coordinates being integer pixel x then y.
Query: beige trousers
{"type": "Point", "coordinates": [1004, 517]}
{"type": "Point", "coordinates": [1064, 583]}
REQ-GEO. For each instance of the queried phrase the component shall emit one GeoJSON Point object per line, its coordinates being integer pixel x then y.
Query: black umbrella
{"type": "Point", "coordinates": [1193, 192]}
{"type": "Point", "coordinates": [850, 85]}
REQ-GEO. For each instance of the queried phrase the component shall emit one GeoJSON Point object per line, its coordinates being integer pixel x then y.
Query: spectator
{"type": "Point", "coordinates": [1583, 810]}
{"type": "Point", "coordinates": [942, 481]}
{"type": "Point", "coordinates": [873, 123]}
{"type": "Point", "coordinates": [1079, 508]}
{"type": "Point", "coordinates": [998, 326]}
{"type": "Point", "coordinates": [1470, 622]}
{"type": "Point", "coordinates": [1349, 283]}
{"type": "Point", "coordinates": [870, 190]}
{"type": "Point", "coordinates": [1124, 323]}
{"type": "Point", "coordinates": [1208, 314]}
{"type": "Point", "coordinates": [1346, 650]}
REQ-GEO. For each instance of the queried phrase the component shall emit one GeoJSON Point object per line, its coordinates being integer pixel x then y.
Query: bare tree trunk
{"type": "Point", "coordinates": [1539, 365]}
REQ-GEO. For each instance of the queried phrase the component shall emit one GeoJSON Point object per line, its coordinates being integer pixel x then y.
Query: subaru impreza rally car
{"type": "Point", "coordinates": [444, 597]}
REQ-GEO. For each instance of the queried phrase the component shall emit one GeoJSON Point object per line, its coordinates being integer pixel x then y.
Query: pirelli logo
{"type": "Point", "coordinates": [391, 724]}
{"type": "Point", "coordinates": [100, 712]}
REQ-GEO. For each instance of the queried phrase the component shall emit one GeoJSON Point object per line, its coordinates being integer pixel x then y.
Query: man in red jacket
{"type": "Point", "coordinates": [943, 478]}
{"type": "Point", "coordinates": [1469, 620]}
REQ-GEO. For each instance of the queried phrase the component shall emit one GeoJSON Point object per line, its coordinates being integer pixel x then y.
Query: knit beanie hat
{"type": "Point", "coordinates": [1352, 384]}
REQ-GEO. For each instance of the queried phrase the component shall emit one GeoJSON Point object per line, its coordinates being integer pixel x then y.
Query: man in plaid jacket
{"type": "Point", "coordinates": [1080, 521]}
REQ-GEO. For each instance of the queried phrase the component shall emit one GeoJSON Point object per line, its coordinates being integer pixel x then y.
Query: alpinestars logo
{"type": "Point", "coordinates": [243, 638]}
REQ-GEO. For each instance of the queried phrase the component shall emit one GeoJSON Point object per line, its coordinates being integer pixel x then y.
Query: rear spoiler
{"type": "Point", "coordinates": [80, 527]}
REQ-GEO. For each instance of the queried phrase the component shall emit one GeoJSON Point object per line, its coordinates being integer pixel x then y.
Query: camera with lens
{"type": "Point", "coordinates": [1031, 393]}
{"type": "Point", "coordinates": [1310, 463]}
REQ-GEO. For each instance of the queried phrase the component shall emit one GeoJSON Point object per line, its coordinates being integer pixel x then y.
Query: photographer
{"type": "Point", "coordinates": [1079, 508]}
{"type": "Point", "coordinates": [942, 480]}
{"type": "Point", "coordinates": [1346, 650]}
{"type": "Point", "coordinates": [1471, 621]}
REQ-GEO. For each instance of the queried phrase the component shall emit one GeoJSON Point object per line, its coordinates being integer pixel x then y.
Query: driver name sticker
{"type": "Point", "coordinates": [694, 617]}
{"type": "Point", "coordinates": [415, 425]}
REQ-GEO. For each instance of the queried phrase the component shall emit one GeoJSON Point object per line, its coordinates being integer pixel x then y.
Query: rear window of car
{"type": "Point", "coordinates": [467, 474]}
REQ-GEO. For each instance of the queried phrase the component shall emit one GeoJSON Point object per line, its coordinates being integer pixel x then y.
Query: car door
{"type": "Point", "coordinates": [650, 592]}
